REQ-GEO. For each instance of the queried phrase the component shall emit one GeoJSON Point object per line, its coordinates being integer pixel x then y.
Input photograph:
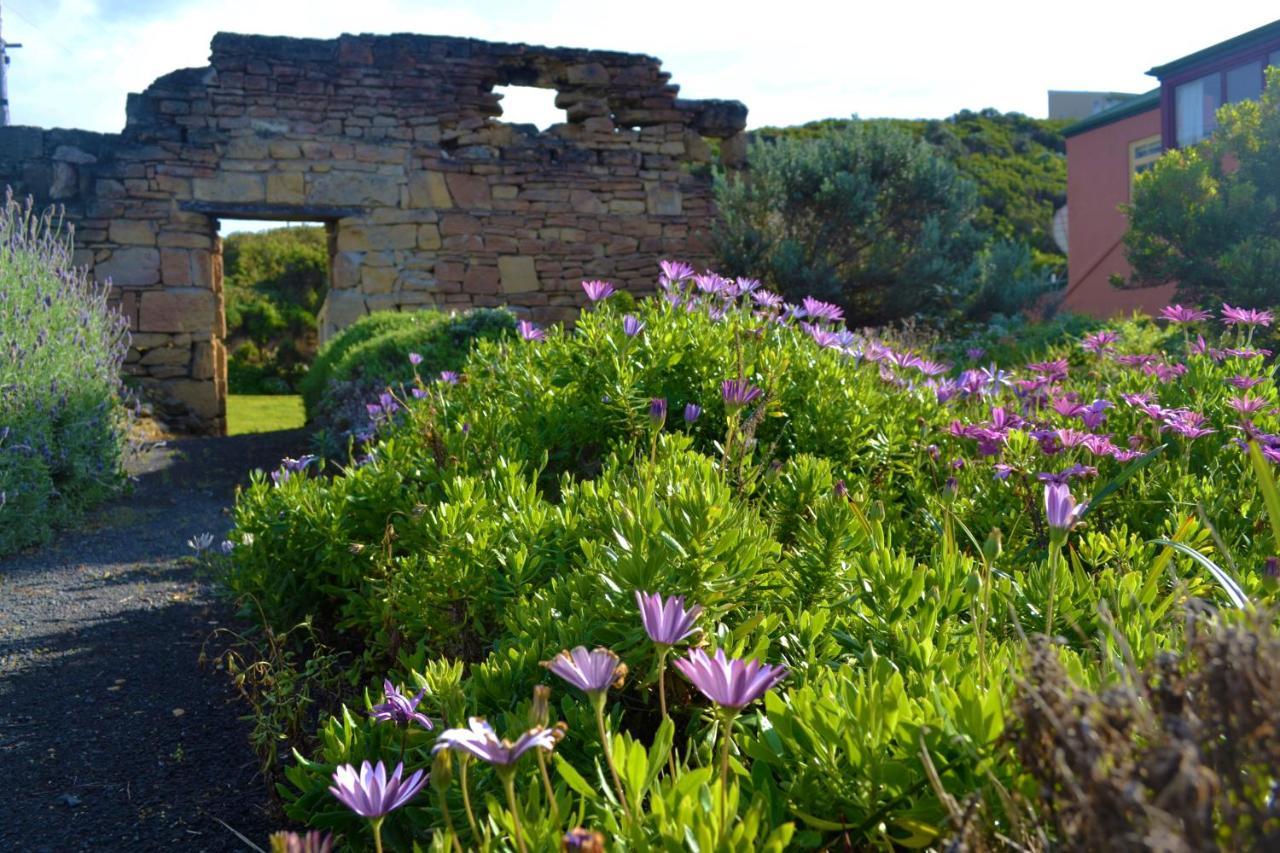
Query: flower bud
{"type": "Point", "coordinates": [583, 840]}
{"type": "Point", "coordinates": [540, 711]}
{"type": "Point", "coordinates": [442, 770]}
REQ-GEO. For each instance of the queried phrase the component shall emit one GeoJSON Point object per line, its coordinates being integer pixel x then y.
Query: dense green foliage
{"type": "Point", "coordinates": [62, 423]}
{"type": "Point", "coordinates": [1208, 216]}
{"type": "Point", "coordinates": [863, 215]}
{"type": "Point", "coordinates": [874, 526]}
{"type": "Point", "coordinates": [894, 219]}
{"type": "Point", "coordinates": [1017, 163]}
{"type": "Point", "coordinates": [372, 354]}
{"type": "Point", "coordinates": [275, 282]}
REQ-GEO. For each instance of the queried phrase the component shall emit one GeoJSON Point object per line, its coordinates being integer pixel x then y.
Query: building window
{"type": "Point", "coordinates": [1142, 156]}
{"type": "Point", "coordinates": [1244, 82]}
{"type": "Point", "coordinates": [1195, 109]}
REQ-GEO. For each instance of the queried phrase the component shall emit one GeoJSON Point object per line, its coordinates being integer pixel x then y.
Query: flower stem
{"type": "Point", "coordinates": [448, 822]}
{"type": "Point", "coordinates": [725, 738]}
{"type": "Point", "coordinates": [546, 784]}
{"type": "Point", "coordinates": [598, 701]}
{"type": "Point", "coordinates": [1055, 555]}
{"type": "Point", "coordinates": [463, 761]}
{"type": "Point", "coordinates": [509, 782]}
{"type": "Point", "coordinates": [376, 823]}
{"type": "Point", "coordinates": [663, 651]}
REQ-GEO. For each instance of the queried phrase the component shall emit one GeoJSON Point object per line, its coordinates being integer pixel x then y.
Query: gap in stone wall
{"type": "Point", "coordinates": [529, 105]}
{"type": "Point", "coordinates": [269, 343]}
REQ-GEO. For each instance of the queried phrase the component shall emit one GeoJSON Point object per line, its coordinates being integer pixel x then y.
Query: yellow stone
{"type": "Point", "coordinates": [518, 274]}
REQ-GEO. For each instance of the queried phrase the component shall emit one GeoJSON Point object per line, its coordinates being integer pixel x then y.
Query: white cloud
{"type": "Point", "coordinates": [789, 62]}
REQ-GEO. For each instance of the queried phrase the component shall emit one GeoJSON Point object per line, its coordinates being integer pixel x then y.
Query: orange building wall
{"type": "Point", "coordinates": [1097, 184]}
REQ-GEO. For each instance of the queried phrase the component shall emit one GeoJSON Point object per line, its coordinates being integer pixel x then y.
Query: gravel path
{"type": "Point", "coordinates": [111, 735]}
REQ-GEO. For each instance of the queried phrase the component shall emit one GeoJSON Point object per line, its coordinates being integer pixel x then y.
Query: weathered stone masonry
{"type": "Point", "coordinates": [392, 141]}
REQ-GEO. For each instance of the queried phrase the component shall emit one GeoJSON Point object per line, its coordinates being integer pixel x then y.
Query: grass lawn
{"type": "Point", "coordinates": [263, 413]}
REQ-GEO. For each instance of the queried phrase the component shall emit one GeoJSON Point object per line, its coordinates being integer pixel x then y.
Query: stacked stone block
{"type": "Point", "coordinates": [396, 142]}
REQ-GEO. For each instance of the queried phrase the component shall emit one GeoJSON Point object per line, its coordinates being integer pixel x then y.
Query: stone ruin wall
{"type": "Point", "coordinates": [395, 143]}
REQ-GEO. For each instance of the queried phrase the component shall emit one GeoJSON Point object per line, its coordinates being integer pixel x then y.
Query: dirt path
{"type": "Point", "coordinates": [111, 736]}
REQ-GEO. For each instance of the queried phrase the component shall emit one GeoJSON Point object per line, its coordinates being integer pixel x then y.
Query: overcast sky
{"type": "Point", "coordinates": [790, 62]}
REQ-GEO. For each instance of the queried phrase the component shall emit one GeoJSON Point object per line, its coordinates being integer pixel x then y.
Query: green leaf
{"type": "Point", "coordinates": [1120, 479]}
{"type": "Point", "coordinates": [1228, 583]}
{"type": "Point", "coordinates": [1270, 497]}
{"type": "Point", "coordinates": [659, 751]}
{"type": "Point", "coordinates": [574, 779]}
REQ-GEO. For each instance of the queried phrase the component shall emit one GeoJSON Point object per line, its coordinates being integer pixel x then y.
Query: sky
{"type": "Point", "coordinates": [789, 62]}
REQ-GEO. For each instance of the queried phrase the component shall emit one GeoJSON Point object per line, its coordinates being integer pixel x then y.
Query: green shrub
{"type": "Point", "coordinates": [873, 521]}
{"type": "Point", "coordinates": [275, 282]}
{"type": "Point", "coordinates": [62, 423]}
{"type": "Point", "coordinates": [372, 355]}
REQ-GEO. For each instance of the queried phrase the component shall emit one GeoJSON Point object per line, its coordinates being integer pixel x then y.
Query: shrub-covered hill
{"type": "Point", "coordinates": [275, 283]}
{"type": "Point", "coordinates": [886, 527]}
{"type": "Point", "coordinates": [1018, 164]}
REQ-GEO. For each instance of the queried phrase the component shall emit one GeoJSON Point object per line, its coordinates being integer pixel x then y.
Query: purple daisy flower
{"type": "Point", "coordinates": [1245, 316]}
{"type": "Point", "coordinates": [589, 671]}
{"type": "Point", "coordinates": [449, 377]}
{"type": "Point", "coordinates": [674, 272]}
{"type": "Point", "coordinates": [666, 621]}
{"type": "Point", "coordinates": [597, 290]}
{"type": "Point", "coordinates": [1182, 314]}
{"type": "Point", "coordinates": [738, 393]}
{"type": "Point", "coordinates": [479, 740]}
{"type": "Point", "coordinates": [370, 793]}
{"type": "Point", "coordinates": [529, 331]}
{"type": "Point", "coordinates": [658, 411]}
{"type": "Point", "coordinates": [399, 708]}
{"type": "Point", "coordinates": [692, 411]}
{"type": "Point", "coordinates": [816, 309]}
{"type": "Point", "coordinates": [1060, 508]}
{"type": "Point", "coordinates": [766, 299]}
{"type": "Point", "coordinates": [729, 682]}
{"type": "Point", "coordinates": [314, 841]}
{"type": "Point", "coordinates": [1247, 405]}
{"type": "Point", "coordinates": [632, 326]}
{"type": "Point", "coordinates": [415, 359]}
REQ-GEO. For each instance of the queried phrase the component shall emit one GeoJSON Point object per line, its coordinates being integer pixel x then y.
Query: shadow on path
{"type": "Point", "coordinates": [111, 735]}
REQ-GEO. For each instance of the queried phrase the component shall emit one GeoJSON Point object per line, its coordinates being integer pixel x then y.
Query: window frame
{"type": "Point", "coordinates": [1136, 164]}
{"type": "Point", "coordinates": [1268, 53]}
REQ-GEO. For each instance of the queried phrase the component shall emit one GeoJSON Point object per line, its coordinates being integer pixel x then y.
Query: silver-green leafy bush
{"type": "Point", "coordinates": [62, 418]}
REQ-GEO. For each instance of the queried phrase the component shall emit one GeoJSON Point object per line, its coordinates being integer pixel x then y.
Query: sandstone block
{"type": "Point", "coordinates": [626, 207]}
{"type": "Point", "coordinates": [204, 359]}
{"type": "Point", "coordinates": [285, 150]}
{"type": "Point", "coordinates": [346, 270]}
{"type": "Point", "coordinates": [286, 188]}
{"type": "Point", "coordinates": [132, 232]}
{"type": "Point", "coordinates": [378, 279]}
{"type": "Point", "coordinates": [341, 308]}
{"type": "Point", "coordinates": [348, 188]}
{"type": "Point", "coordinates": [132, 267]}
{"type": "Point", "coordinates": [175, 267]}
{"type": "Point", "coordinates": [184, 240]}
{"type": "Point", "coordinates": [459, 223]}
{"type": "Point", "coordinates": [664, 200]}
{"type": "Point", "coordinates": [429, 237]}
{"type": "Point", "coordinates": [469, 190]}
{"type": "Point", "coordinates": [480, 279]}
{"type": "Point", "coordinates": [518, 274]}
{"type": "Point", "coordinates": [177, 310]}
{"type": "Point", "coordinates": [586, 202]}
{"type": "Point", "coordinates": [235, 187]}
{"type": "Point", "coordinates": [167, 356]}
{"type": "Point", "coordinates": [428, 189]}
{"type": "Point", "coordinates": [198, 395]}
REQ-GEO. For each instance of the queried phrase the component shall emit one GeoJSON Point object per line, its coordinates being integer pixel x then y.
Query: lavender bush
{"type": "Point", "coordinates": [62, 420]}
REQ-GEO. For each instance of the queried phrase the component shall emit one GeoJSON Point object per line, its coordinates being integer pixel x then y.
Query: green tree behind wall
{"type": "Point", "coordinates": [1208, 216]}
{"type": "Point", "coordinates": [1018, 165]}
{"type": "Point", "coordinates": [274, 284]}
